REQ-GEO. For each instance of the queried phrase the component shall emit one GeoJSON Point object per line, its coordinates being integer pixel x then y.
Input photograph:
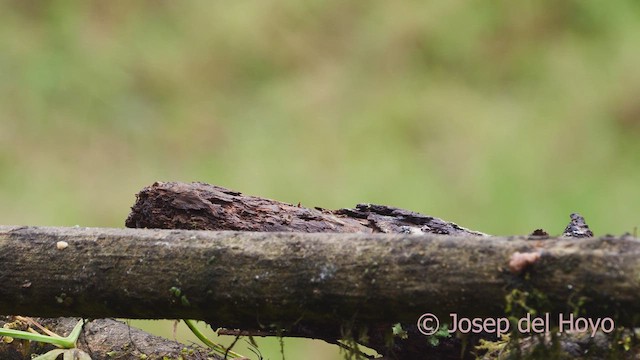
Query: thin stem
{"type": "Point", "coordinates": [216, 347]}
{"type": "Point", "coordinates": [65, 343]}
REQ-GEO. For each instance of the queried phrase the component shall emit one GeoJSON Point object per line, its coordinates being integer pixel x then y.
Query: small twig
{"type": "Point", "coordinates": [215, 347]}
{"type": "Point", "coordinates": [37, 324]}
{"type": "Point", "coordinates": [231, 346]}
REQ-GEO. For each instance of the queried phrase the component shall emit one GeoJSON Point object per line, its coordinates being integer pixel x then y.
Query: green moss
{"type": "Point", "coordinates": [442, 333]}
{"type": "Point", "coordinates": [493, 348]}
{"type": "Point", "coordinates": [399, 332]}
{"type": "Point", "coordinates": [533, 302]}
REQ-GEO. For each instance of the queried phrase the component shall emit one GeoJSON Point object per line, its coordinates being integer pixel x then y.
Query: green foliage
{"type": "Point", "coordinates": [521, 302]}
{"type": "Point", "coordinates": [399, 332]}
{"type": "Point", "coordinates": [68, 343]}
{"type": "Point", "coordinates": [493, 349]}
{"type": "Point", "coordinates": [67, 354]}
{"type": "Point", "coordinates": [442, 333]}
{"type": "Point", "coordinates": [191, 324]}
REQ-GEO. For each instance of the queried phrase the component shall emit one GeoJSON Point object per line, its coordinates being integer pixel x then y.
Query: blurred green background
{"type": "Point", "coordinates": [501, 116]}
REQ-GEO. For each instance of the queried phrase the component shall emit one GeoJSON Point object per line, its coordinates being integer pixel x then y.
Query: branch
{"type": "Point", "coordinates": [303, 281]}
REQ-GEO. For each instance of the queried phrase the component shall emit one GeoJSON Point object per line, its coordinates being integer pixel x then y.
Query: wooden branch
{"type": "Point", "coordinates": [316, 281]}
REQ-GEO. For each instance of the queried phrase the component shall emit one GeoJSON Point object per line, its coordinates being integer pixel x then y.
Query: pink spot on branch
{"type": "Point", "coordinates": [521, 261]}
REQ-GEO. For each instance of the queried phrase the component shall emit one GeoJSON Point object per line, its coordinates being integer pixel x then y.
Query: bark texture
{"type": "Point", "coordinates": [198, 206]}
{"type": "Point", "coordinates": [318, 284]}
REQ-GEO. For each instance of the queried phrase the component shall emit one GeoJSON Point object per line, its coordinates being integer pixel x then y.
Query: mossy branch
{"type": "Point", "coordinates": [309, 281]}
